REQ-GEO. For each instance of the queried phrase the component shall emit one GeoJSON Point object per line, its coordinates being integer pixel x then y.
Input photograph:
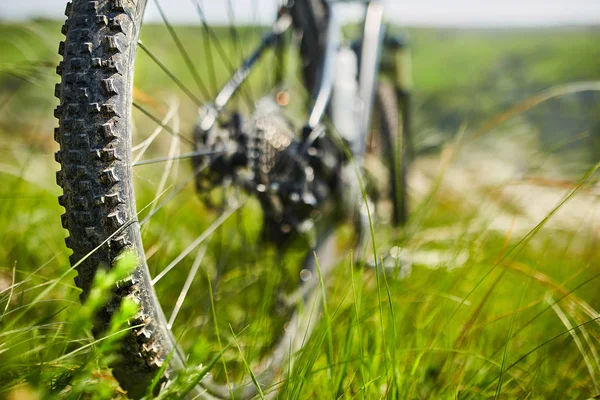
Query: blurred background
{"type": "Point", "coordinates": [459, 13]}
{"type": "Point", "coordinates": [471, 59]}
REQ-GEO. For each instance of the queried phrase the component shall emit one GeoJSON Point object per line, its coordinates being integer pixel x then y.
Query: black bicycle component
{"type": "Point", "coordinates": [291, 178]}
{"type": "Point", "coordinates": [311, 17]}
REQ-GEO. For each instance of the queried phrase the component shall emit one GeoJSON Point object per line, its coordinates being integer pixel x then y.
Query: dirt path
{"type": "Point", "coordinates": [497, 182]}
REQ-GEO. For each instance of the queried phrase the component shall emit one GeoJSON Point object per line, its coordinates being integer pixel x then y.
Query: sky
{"type": "Point", "coordinates": [461, 13]}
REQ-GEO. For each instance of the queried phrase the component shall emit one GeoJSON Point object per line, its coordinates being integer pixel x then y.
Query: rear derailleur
{"type": "Point", "coordinates": [293, 178]}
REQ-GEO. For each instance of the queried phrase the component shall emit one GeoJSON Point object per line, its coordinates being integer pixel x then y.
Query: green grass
{"type": "Point", "coordinates": [485, 312]}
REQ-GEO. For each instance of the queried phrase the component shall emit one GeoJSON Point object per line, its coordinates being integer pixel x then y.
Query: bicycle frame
{"type": "Point", "coordinates": [368, 64]}
{"type": "Point", "coordinates": [368, 69]}
{"type": "Point", "coordinates": [351, 110]}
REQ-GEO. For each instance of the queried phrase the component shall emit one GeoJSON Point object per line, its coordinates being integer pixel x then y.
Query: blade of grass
{"type": "Point", "coordinates": [216, 322]}
{"type": "Point", "coordinates": [565, 320]}
{"type": "Point", "coordinates": [327, 316]}
{"type": "Point", "coordinates": [558, 336]}
{"type": "Point", "coordinates": [252, 376]}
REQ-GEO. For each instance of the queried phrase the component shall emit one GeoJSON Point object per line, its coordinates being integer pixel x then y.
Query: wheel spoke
{"type": "Point", "coordinates": [183, 52]}
{"type": "Point", "coordinates": [214, 37]}
{"type": "Point", "coordinates": [236, 43]}
{"type": "Point", "coordinates": [145, 144]}
{"type": "Point", "coordinates": [198, 241]}
{"type": "Point", "coordinates": [174, 193]}
{"type": "Point", "coordinates": [173, 150]}
{"type": "Point", "coordinates": [222, 252]}
{"type": "Point", "coordinates": [221, 52]}
{"type": "Point", "coordinates": [233, 32]}
{"type": "Point", "coordinates": [188, 283]}
{"type": "Point", "coordinates": [170, 74]}
{"type": "Point", "coordinates": [180, 157]}
{"type": "Point", "coordinates": [206, 41]}
{"type": "Point", "coordinates": [159, 123]}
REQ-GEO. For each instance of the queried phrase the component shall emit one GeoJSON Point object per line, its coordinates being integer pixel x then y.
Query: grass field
{"type": "Point", "coordinates": [502, 294]}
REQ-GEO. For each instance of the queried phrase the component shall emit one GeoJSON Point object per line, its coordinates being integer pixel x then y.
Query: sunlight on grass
{"type": "Point", "coordinates": [499, 297]}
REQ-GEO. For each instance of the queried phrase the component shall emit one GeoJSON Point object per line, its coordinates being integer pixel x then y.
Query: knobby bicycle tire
{"type": "Point", "coordinates": [96, 173]}
{"type": "Point", "coordinates": [310, 17]}
{"type": "Point", "coordinates": [96, 176]}
{"type": "Point", "coordinates": [394, 142]}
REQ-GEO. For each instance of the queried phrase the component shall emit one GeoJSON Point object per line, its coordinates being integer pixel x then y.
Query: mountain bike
{"type": "Point", "coordinates": [302, 174]}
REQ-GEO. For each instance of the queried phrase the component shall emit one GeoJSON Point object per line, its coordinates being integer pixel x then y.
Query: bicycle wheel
{"type": "Point", "coordinates": [96, 136]}
{"type": "Point", "coordinates": [391, 138]}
